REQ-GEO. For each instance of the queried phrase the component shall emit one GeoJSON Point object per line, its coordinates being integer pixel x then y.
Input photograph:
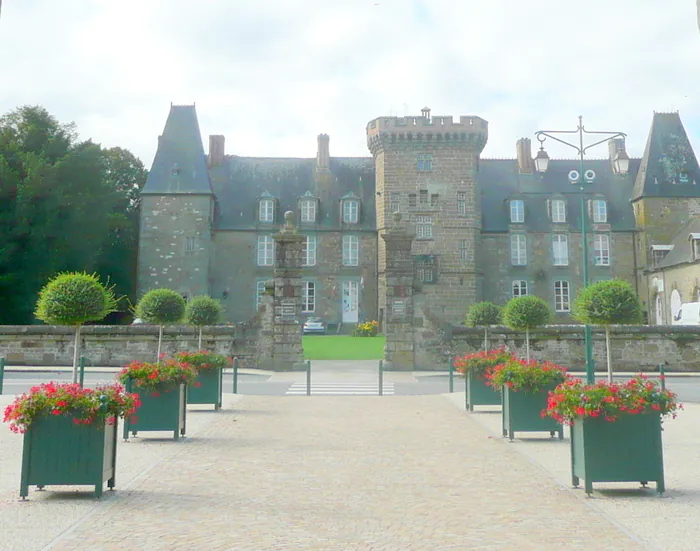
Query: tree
{"type": "Point", "coordinates": [201, 311]}
{"type": "Point", "coordinates": [161, 306]}
{"type": "Point", "coordinates": [74, 299]}
{"type": "Point", "coordinates": [484, 314]}
{"type": "Point", "coordinates": [52, 189]}
{"type": "Point", "coordinates": [606, 303]}
{"type": "Point", "coordinates": [524, 313]}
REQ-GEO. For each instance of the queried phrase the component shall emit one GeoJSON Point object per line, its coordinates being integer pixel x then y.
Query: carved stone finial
{"type": "Point", "coordinates": [397, 218]}
{"type": "Point", "coordinates": [288, 222]}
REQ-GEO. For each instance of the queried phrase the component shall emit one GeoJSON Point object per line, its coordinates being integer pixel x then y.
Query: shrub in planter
{"type": "Point", "coordinates": [366, 329]}
{"type": "Point", "coordinates": [206, 388]}
{"type": "Point", "coordinates": [74, 299]}
{"type": "Point", "coordinates": [484, 314]}
{"type": "Point", "coordinates": [475, 367]}
{"type": "Point", "coordinates": [162, 389]}
{"type": "Point", "coordinates": [201, 311]}
{"type": "Point", "coordinates": [69, 433]}
{"type": "Point", "coordinates": [159, 307]}
{"type": "Point", "coordinates": [615, 429]}
{"type": "Point", "coordinates": [525, 313]}
{"type": "Point", "coordinates": [525, 386]}
{"type": "Point", "coordinates": [606, 303]}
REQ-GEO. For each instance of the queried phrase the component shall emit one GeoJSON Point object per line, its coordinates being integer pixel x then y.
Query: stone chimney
{"type": "Point", "coordinates": [217, 150]}
{"type": "Point", "coordinates": [323, 154]}
{"type": "Point", "coordinates": [524, 151]}
{"type": "Point", "coordinates": [616, 150]}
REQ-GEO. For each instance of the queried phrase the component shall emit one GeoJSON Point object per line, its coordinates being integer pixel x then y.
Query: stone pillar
{"type": "Point", "coordinates": [264, 344]}
{"type": "Point", "coordinates": [398, 299]}
{"type": "Point", "coordinates": [287, 351]}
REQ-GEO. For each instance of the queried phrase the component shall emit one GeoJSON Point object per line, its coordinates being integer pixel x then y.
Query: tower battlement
{"type": "Point", "coordinates": [386, 132]}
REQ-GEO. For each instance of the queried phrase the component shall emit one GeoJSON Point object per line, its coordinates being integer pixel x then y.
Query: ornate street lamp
{"type": "Point", "coordinates": [581, 178]}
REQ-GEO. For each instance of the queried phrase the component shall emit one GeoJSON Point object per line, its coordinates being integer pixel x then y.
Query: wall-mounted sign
{"type": "Point", "coordinates": [398, 307]}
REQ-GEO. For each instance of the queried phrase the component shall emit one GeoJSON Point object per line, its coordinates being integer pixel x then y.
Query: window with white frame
{"type": "Point", "coordinates": [424, 227]}
{"type": "Point", "coordinates": [351, 209]}
{"type": "Point", "coordinates": [189, 244]}
{"type": "Point", "coordinates": [696, 249]}
{"type": "Point", "coordinates": [424, 163]}
{"type": "Point", "coordinates": [558, 207]}
{"type": "Point", "coordinates": [423, 197]}
{"type": "Point", "coordinates": [461, 203]}
{"type": "Point", "coordinates": [518, 249]}
{"type": "Point", "coordinates": [561, 296]}
{"type": "Point", "coordinates": [517, 211]}
{"type": "Point", "coordinates": [266, 250]}
{"type": "Point", "coordinates": [560, 249]}
{"type": "Point", "coordinates": [309, 258]}
{"type": "Point", "coordinates": [394, 202]}
{"type": "Point", "coordinates": [351, 250]}
{"type": "Point", "coordinates": [519, 288]}
{"type": "Point", "coordinates": [308, 210]}
{"type": "Point", "coordinates": [308, 296]}
{"type": "Point", "coordinates": [463, 249]}
{"type": "Point", "coordinates": [426, 269]}
{"type": "Point", "coordinates": [600, 211]}
{"type": "Point", "coordinates": [259, 292]}
{"type": "Point", "coordinates": [601, 250]}
{"type": "Point", "coordinates": [266, 212]}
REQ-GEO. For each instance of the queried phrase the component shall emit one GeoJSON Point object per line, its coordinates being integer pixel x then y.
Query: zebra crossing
{"type": "Point", "coordinates": [341, 389]}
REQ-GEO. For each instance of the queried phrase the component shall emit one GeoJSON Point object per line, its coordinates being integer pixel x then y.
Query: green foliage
{"type": "Point", "coordinates": [73, 299]}
{"type": "Point", "coordinates": [161, 306]}
{"type": "Point", "coordinates": [203, 310]}
{"type": "Point", "coordinates": [203, 360]}
{"type": "Point", "coordinates": [158, 376]}
{"type": "Point", "coordinates": [526, 312]}
{"type": "Point", "coordinates": [524, 375]}
{"type": "Point", "coordinates": [481, 362]}
{"type": "Point", "coordinates": [366, 329]}
{"type": "Point", "coordinates": [608, 302]}
{"type": "Point", "coordinates": [483, 314]}
{"type": "Point", "coordinates": [65, 205]}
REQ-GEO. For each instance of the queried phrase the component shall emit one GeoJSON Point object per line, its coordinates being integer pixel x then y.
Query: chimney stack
{"type": "Point", "coordinates": [323, 154]}
{"type": "Point", "coordinates": [524, 152]}
{"type": "Point", "coordinates": [217, 150]}
{"type": "Point", "coordinates": [617, 151]}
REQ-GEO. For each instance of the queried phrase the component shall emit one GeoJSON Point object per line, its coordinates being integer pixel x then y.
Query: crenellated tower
{"type": "Point", "coordinates": [426, 169]}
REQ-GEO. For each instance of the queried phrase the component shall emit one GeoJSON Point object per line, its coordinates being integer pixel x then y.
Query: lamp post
{"type": "Point", "coordinates": [581, 178]}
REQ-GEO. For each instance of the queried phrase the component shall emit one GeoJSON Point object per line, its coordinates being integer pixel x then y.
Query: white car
{"type": "Point", "coordinates": [314, 326]}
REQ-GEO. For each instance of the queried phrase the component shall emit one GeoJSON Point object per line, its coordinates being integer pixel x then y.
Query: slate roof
{"type": "Point", "coordinates": [180, 165]}
{"type": "Point", "coordinates": [241, 181]}
{"type": "Point", "coordinates": [500, 181]}
{"type": "Point", "coordinates": [668, 154]}
{"type": "Point", "coordinates": [682, 252]}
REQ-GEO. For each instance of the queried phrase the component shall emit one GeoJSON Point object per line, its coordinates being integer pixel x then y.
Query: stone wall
{"type": "Point", "coordinates": [117, 345]}
{"type": "Point", "coordinates": [634, 348]}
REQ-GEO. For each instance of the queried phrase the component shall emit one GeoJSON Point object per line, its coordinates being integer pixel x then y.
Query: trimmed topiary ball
{"type": "Point", "coordinates": [161, 306]}
{"type": "Point", "coordinates": [73, 299]}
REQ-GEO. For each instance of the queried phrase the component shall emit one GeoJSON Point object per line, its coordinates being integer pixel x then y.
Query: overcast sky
{"type": "Point", "coordinates": [272, 74]}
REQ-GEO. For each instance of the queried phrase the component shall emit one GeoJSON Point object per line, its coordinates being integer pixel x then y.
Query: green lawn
{"type": "Point", "coordinates": [343, 347]}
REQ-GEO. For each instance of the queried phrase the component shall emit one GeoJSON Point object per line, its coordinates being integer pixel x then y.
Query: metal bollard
{"type": "Point", "coordinates": [235, 375]}
{"type": "Point", "coordinates": [2, 373]}
{"type": "Point", "coordinates": [82, 371]}
{"type": "Point", "coordinates": [308, 377]}
{"type": "Point", "coordinates": [662, 376]}
{"type": "Point", "coordinates": [381, 377]}
{"type": "Point", "coordinates": [452, 378]}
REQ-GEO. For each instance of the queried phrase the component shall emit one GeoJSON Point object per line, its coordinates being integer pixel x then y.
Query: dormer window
{"type": "Point", "coordinates": [307, 207]}
{"type": "Point", "coordinates": [351, 211]}
{"type": "Point", "coordinates": [517, 211]}
{"type": "Point", "coordinates": [266, 211]}
{"type": "Point", "coordinates": [659, 252]}
{"type": "Point", "coordinates": [599, 208]}
{"type": "Point", "coordinates": [683, 177]}
{"type": "Point", "coordinates": [175, 170]}
{"type": "Point", "coordinates": [695, 244]}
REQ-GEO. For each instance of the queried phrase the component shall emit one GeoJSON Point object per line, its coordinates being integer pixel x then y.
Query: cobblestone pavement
{"type": "Point", "coordinates": [334, 473]}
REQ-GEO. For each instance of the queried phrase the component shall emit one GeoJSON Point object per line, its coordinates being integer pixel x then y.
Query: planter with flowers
{"type": "Point", "coordinates": [207, 387]}
{"type": "Point", "coordinates": [162, 390]}
{"type": "Point", "coordinates": [526, 386]}
{"type": "Point", "coordinates": [475, 368]}
{"type": "Point", "coordinates": [70, 434]}
{"type": "Point", "coordinates": [615, 429]}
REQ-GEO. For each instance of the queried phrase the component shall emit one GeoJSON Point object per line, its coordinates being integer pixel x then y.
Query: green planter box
{"type": "Point", "coordinates": [479, 393]}
{"type": "Point", "coordinates": [165, 412]}
{"type": "Point", "coordinates": [626, 450]}
{"type": "Point", "coordinates": [522, 413]}
{"type": "Point", "coordinates": [58, 452]}
{"type": "Point", "coordinates": [206, 388]}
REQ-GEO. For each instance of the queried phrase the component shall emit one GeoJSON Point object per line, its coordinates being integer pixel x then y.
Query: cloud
{"type": "Point", "coordinates": [271, 75]}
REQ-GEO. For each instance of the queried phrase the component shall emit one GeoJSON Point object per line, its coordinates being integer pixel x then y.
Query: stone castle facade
{"type": "Point", "coordinates": [476, 229]}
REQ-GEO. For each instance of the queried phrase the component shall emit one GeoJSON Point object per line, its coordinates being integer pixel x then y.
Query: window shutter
{"type": "Point", "coordinates": [549, 208]}
{"type": "Point", "coordinates": [590, 208]}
